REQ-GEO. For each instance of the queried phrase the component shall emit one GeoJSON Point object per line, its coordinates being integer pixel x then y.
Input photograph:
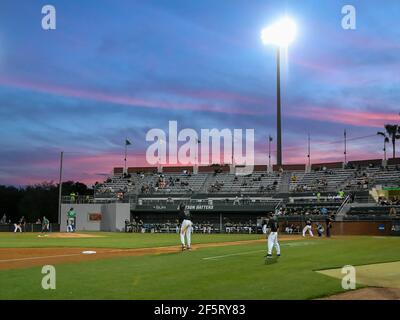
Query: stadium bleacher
{"type": "Point", "coordinates": [291, 191]}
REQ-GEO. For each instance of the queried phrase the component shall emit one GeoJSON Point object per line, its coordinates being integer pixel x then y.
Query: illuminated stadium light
{"type": "Point", "coordinates": [282, 33]}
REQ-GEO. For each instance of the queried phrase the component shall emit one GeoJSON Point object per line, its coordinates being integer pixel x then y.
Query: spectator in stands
{"type": "Point", "coordinates": [383, 201]}
{"type": "Point", "coordinates": [38, 221]}
{"type": "Point", "coordinates": [324, 211]}
{"type": "Point", "coordinates": [72, 196]}
{"type": "Point", "coordinates": [3, 219]}
{"type": "Point", "coordinates": [392, 211]}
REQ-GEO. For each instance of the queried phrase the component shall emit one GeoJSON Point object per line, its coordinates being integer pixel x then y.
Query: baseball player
{"type": "Point", "coordinates": [308, 228]}
{"type": "Point", "coordinates": [186, 226]}
{"type": "Point", "coordinates": [22, 223]}
{"type": "Point", "coordinates": [17, 227]}
{"type": "Point", "coordinates": [71, 216]}
{"type": "Point", "coordinates": [320, 229]}
{"type": "Point", "coordinates": [45, 225]}
{"type": "Point", "coordinates": [264, 226]}
{"type": "Point", "coordinates": [273, 227]}
{"type": "Point", "coordinates": [328, 226]}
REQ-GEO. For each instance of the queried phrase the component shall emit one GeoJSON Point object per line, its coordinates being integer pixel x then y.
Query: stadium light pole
{"type": "Point", "coordinates": [159, 156]}
{"type": "Point", "coordinates": [269, 150]}
{"type": "Point", "coordinates": [60, 188]}
{"type": "Point", "coordinates": [126, 152]}
{"type": "Point", "coordinates": [196, 161]}
{"type": "Point", "coordinates": [345, 146]}
{"type": "Point", "coordinates": [279, 34]}
{"type": "Point", "coordinates": [309, 151]}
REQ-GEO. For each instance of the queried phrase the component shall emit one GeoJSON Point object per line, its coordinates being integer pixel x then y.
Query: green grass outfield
{"type": "Point", "coordinates": [230, 272]}
{"type": "Point", "coordinates": [112, 240]}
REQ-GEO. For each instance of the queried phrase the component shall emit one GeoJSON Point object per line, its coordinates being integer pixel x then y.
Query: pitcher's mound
{"type": "Point", "coordinates": [73, 235]}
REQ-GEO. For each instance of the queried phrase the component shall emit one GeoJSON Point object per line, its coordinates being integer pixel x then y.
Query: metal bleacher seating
{"type": "Point", "coordinates": [324, 180]}
{"type": "Point", "coordinates": [259, 182]}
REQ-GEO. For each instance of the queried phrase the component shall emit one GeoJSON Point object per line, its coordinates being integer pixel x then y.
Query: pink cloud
{"type": "Point", "coordinates": [333, 155]}
{"type": "Point", "coordinates": [224, 96]}
{"type": "Point", "coordinates": [350, 117]}
{"type": "Point", "coordinates": [90, 168]}
{"type": "Point", "coordinates": [124, 100]}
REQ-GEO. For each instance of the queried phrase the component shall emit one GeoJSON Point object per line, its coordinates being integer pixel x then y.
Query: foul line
{"type": "Point", "coordinates": [42, 257]}
{"type": "Point", "coordinates": [233, 254]}
{"type": "Point", "coordinates": [290, 244]}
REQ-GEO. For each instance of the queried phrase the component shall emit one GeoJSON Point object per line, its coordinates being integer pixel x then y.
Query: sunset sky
{"type": "Point", "coordinates": [116, 69]}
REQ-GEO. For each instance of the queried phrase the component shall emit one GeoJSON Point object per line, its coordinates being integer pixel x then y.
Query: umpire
{"type": "Point", "coordinates": [329, 225]}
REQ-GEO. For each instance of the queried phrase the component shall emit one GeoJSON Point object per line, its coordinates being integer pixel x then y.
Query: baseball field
{"type": "Point", "coordinates": [225, 266]}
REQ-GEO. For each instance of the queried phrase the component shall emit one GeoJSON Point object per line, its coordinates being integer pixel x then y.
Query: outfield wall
{"type": "Point", "coordinates": [377, 228]}
{"type": "Point", "coordinates": [97, 216]}
{"type": "Point", "coordinates": [367, 228]}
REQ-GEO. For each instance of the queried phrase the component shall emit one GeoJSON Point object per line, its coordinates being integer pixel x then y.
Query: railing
{"type": "Point", "coordinates": [91, 199]}
{"type": "Point", "coordinates": [238, 205]}
{"type": "Point", "coordinates": [278, 204]}
{"type": "Point", "coordinates": [346, 200]}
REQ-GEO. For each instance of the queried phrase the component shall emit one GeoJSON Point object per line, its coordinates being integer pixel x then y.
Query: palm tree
{"type": "Point", "coordinates": [392, 131]}
{"type": "Point", "coordinates": [385, 140]}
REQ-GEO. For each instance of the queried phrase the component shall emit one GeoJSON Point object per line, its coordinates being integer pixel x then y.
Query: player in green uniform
{"type": "Point", "coordinates": [71, 220]}
{"type": "Point", "coordinates": [45, 225]}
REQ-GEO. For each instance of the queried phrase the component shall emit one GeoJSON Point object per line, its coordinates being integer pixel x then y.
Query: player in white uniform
{"type": "Point", "coordinates": [17, 227]}
{"type": "Point", "coordinates": [308, 228]}
{"type": "Point", "coordinates": [273, 227]}
{"type": "Point", "coordinates": [186, 227]}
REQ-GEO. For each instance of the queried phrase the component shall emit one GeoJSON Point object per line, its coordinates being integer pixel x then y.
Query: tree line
{"type": "Point", "coordinates": [37, 200]}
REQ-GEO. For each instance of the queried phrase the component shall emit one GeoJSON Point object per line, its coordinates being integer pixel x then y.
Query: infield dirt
{"type": "Point", "coordinates": [19, 258]}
